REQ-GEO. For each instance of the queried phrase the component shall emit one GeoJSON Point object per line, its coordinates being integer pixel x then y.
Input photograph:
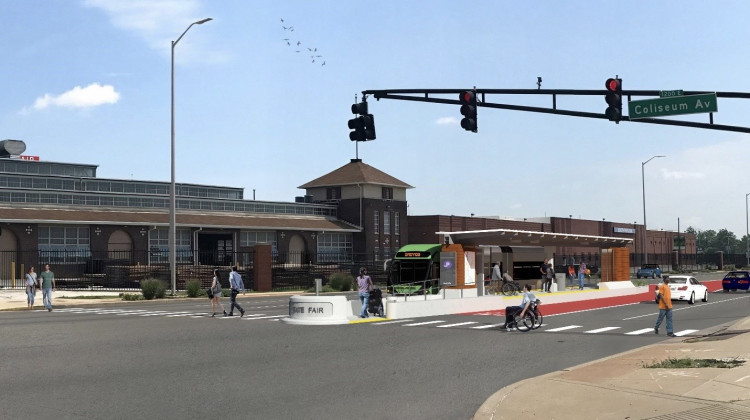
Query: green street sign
{"type": "Point", "coordinates": [676, 105]}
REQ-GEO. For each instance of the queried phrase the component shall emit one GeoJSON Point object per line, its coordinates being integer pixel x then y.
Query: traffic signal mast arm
{"type": "Point", "coordinates": [410, 95]}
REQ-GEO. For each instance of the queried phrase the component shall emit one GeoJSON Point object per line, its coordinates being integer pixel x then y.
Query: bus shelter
{"type": "Point", "coordinates": [547, 241]}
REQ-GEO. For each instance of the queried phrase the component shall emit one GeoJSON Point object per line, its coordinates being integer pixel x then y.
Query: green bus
{"type": "Point", "coordinates": [415, 269]}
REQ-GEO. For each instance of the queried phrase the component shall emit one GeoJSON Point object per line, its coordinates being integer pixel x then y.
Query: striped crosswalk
{"type": "Point", "coordinates": [477, 325]}
{"type": "Point", "coordinates": [166, 314]}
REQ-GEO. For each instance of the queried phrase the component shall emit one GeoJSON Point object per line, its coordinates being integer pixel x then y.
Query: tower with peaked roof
{"type": "Point", "coordinates": [369, 199]}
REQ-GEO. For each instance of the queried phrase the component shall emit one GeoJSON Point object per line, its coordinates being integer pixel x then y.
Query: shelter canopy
{"type": "Point", "coordinates": [509, 237]}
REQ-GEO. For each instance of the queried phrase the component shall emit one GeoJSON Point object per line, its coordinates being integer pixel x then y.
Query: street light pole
{"type": "Point", "coordinates": [747, 233]}
{"type": "Point", "coordinates": [172, 192]}
{"type": "Point", "coordinates": [645, 230]}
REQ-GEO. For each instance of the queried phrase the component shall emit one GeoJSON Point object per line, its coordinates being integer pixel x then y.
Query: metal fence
{"type": "Point", "coordinates": [124, 270]}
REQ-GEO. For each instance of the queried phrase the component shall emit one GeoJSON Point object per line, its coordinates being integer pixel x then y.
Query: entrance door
{"type": "Point", "coordinates": [296, 250]}
{"type": "Point", "coordinates": [215, 248]}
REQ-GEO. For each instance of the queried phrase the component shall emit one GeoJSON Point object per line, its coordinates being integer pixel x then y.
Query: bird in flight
{"type": "Point", "coordinates": [314, 57]}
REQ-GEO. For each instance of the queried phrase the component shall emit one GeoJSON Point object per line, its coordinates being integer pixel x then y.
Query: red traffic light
{"type": "Point", "coordinates": [613, 85]}
{"type": "Point", "coordinates": [467, 97]}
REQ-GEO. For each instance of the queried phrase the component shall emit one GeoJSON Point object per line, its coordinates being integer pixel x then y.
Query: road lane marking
{"type": "Point", "coordinates": [482, 327]}
{"type": "Point", "coordinates": [569, 327]}
{"type": "Point", "coordinates": [456, 325]}
{"type": "Point", "coordinates": [639, 332]}
{"type": "Point", "coordinates": [398, 321]}
{"type": "Point", "coordinates": [423, 323]}
{"type": "Point", "coordinates": [684, 332]}
{"type": "Point", "coordinates": [702, 304]}
{"type": "Point", "coordinates": [598, 330]}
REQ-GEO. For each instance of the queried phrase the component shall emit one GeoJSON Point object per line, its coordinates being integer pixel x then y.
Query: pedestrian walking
{"type": "Point", "coordinates": [31, 285]}
{"type": "Point", "coordinates": [665, 307]}
{"type": "Point", "coordinates": [364, 284]}
{"type": "Point", "coordinates": [581, 274]}
{"type": "Point", "coordinates": [48, 286]}
{"type": "Point", "coordinates": [572, 275]}
{"type": "Point", "coordinates": [235, 282]}
{"type": "Point", "coordinates": [216, 295]}
{"type": "Point", "coordinates": [543, 270]}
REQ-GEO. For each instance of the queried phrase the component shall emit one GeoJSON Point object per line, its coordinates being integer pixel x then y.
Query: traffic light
{"type": "Point", "coordinates": [614, 99]}
{"type": "Point", "coordinates": [468, 99]}
{"type": "Point", "coordinates": [363, 125]}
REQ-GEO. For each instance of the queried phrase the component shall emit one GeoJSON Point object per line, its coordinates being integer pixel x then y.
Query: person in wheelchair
{"type": "Point", "coordinates": [511, 311]}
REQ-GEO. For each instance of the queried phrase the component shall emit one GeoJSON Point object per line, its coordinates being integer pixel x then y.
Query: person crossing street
{"type": "Point", "coordinates": [237, 285]}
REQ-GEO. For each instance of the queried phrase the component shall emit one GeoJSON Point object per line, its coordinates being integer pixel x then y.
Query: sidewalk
{"type": "Point", "coordinates": [620, 387]}
{"type": "Point", "coordinates": [15, 299]}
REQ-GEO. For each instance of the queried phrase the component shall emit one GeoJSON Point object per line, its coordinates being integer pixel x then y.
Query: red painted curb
{"type": "Point", "coordinates": [598, 303]}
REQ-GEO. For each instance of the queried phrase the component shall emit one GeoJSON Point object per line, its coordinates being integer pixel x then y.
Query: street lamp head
{"type": "Point", "coordinates": [202, 21]}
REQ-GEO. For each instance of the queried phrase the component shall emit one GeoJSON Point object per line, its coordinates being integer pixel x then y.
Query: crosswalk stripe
{"type": "Point", "coordinates": [598, 330]}
{"type": "Point", "coordinates": [456, 325]}
{"type": "Point", "coordinates": [264, 317]}
{"type": "Point", "coordinates": [684, 332]}
{"type": "Point", "coordinates": [423, 323]}
{"type": "Point", "coordinates": [482, 327]}
{"type": "Point", "coordinates": [639, 332]}
{"type": "Point", "coordinates": [569, 327]}
{"type": "Point", "coordinates": [397, 321]}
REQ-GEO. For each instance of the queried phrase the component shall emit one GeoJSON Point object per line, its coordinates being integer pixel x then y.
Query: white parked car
{"type": "Point", "coordinates": [686, 288]}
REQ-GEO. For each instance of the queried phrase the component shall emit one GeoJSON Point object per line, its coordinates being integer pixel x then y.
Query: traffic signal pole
{"type": "Point", "coordinates": [424, 95]}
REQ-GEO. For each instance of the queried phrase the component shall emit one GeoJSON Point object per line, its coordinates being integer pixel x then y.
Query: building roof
{"type": "Point", "coordinates": [161, 218]}
{"type": "Point", "coordinates": [353, 173]}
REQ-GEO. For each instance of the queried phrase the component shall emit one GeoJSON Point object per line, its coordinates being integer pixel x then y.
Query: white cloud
{"type": "Point", "coordinates": [158, 22]}
{"type": "Point", "coordinates": [78, 97]}
{"type": "Point", "coordinates": [680, 175]}
{"type": "Point", "coordinates": [446, 120]}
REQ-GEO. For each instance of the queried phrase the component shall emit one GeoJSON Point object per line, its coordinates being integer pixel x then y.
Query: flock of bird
{"type": "Point", "coordinates": [315, 57]}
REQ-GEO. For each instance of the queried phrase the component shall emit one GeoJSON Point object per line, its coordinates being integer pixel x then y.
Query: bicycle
{"type": "Point", "coordinates": [531, 320]}
{"type": "Point", "coordinates": [510, 288]}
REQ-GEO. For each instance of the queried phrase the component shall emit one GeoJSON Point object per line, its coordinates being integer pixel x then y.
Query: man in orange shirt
{"type": "Point", "coordinates": [665, 307]}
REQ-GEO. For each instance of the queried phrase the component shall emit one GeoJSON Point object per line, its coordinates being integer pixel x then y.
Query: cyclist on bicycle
{"type": "Point", "coordinates": [510, 311]}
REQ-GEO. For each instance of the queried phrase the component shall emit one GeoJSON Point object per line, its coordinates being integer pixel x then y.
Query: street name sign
{"type": "Point", "coordinates": [675, 105]}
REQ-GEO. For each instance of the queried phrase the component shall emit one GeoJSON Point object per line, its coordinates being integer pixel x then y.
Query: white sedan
{"type": "Point", "coordinates": [686, 288]}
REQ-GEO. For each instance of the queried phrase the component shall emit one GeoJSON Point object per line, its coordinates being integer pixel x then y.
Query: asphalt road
{"type": "Point", "coordinates": [170, 360]}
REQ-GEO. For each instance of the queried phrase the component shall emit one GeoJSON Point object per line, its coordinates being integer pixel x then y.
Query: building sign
{"type": "Point", "coordinates": [624, 230]}
{"type": "Point", "coordinates": [310, 309]}
{"type": "Point", "coordinates": [27, 157]}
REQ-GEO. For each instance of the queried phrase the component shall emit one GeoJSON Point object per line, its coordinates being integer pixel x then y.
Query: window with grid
{"type": "Point", "coordinates": [376, 222]}
{"type": "Point", "coordinates": [387, 193]}
{"type": "Point", "coordinates": [63, 244]}
{"type": "Point", "coordinates": [158, 245]}
{"type": "Point", "coordinates": [250, 238]}
{"type": "Point", "coordinates": [334, 247]}
{"type": "Point", "coordinates": [333, 193]}
{"type": "Point", "coordinates": [386, 223]}
{"type": "Point", "coordinates": [396, 225]}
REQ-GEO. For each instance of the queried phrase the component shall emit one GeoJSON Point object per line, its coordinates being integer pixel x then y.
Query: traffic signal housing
{"type": "Point", "coordinates": [363, 125]}
{"type": "Point", "coordinates": [468, 100]}
{"type": "Point", "coordinates": [614, 99]}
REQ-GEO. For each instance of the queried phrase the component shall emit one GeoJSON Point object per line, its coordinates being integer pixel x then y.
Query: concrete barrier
{"type": "Point", "coordinates": [319, 310]}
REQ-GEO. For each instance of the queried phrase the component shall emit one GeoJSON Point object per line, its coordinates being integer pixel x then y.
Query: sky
{"type": "Point", "coordinates": [88, 81]}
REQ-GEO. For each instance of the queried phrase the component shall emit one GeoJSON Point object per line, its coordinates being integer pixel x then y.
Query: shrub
{"type": "Point", "coordinates": [341, 281]}
{"type": "Point", "coordinates": [193, 288]}
{"type": "Point", "coordinates": [131, 296]}
{"type": "Point", "coordinates": [153, 288]}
